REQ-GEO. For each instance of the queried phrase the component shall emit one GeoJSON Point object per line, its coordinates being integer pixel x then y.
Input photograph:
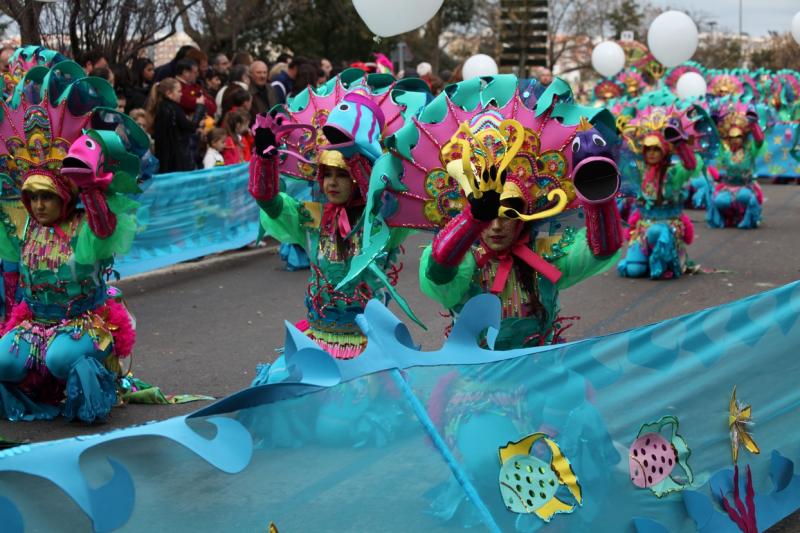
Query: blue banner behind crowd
{"type": "Point", "coordinates": [360, 445]}
{"type": "Point", "coordinates": [185, 215]}
{"type": "Point", "coordinates": [776, 161]}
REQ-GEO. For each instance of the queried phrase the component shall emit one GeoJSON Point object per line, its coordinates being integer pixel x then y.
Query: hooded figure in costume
{"type": "Point", "coordinates": [73, 159]}
{"type": "Point", "coordinates": [737, 197]}
{"type": "Point", "coordinates": [351, 112]}
{"type": "Point", "coordinates": [659, 231]}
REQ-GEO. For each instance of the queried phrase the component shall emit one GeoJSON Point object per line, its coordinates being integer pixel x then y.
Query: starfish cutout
{"type": "Point", "coordinates": [739, 420]}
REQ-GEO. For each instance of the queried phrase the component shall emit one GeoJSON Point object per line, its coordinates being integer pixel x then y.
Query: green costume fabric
{"type": "Point", "coordinates": [672, 190]}
{"type": "Point", "coordinates": [331, 310]}
{"type": "Point", "coordinates": [570, 253]}
{"type": "Point", "coordinates": [82, 259]}
{"type": "Point", "coordinates": [740, 171]}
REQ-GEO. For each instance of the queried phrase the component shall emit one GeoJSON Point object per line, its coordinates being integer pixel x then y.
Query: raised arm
{"type": "Point", "coordinates": [264, 181]}
{"type": "Point", "coordinates": [678, 138]}
{"type": "Point", "coordinates": [596, 180]}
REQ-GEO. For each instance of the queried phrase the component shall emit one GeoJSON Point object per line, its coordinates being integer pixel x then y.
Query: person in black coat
{"type": "Point", "coordinates": [167, 70]}
{"type": "Point", "coordinates": [137, 92]}
{"type": "Point", "coordinates": [172, 129]}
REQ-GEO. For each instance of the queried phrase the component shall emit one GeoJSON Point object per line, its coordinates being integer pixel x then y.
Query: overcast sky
{"type": "Point", "coordinates": [758, 16]}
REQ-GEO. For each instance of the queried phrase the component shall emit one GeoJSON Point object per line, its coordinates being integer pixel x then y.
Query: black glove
{"type": "Point", "coordinates": [264, 138]}
{"type": "Point", "coordinates": [673, 132]}
{"type": "Point", "coordinates": [487, 207]}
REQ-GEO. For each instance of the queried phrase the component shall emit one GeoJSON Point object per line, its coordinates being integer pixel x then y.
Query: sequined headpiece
{"type": "Point", "coordinates": [492, 145]}
{"type": "Point", "coordinates": [38, 128]}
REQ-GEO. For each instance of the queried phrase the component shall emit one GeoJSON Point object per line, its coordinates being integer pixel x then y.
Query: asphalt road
{"type": "Point", "coordinates": [204, 326]}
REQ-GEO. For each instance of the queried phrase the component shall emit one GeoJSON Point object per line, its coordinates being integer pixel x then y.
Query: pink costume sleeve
{"type": "Point", "coordinates": [101, 220]}
{"type": "Point", "coordinates": [758, 133]}
{"type": "Point", "coordinates": [596, 182]}
{"type": "Point", "coordinates": [686, 154]}
{"type": "Point", "coordinates": [603, 226]}
{"type": "Point", "coordinates": [10, 284]}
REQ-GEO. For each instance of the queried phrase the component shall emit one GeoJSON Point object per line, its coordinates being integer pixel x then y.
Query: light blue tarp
{"type": "Point", "coordinates": [185, 215]}
{"type": "Point", "coordinates": [347, 446]}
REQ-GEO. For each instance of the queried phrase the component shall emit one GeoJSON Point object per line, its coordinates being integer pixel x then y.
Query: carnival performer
{"type": "Point", "coordinates": [330, 231]}
{"type": "Point", "coordinates": [492, 246]}
{"type": "Point", "coordinates": [659, 231]}
{"type": "Point", "coordinates": [328, 238]}
{"type": "Point", "coordinates": [63, 340]}
{"type": "Point", "coordinates": [737, 197]}
{"type": "Point", "coordinates": [20, 63]}
{"type": "Point", "coordinates": [491, 178]}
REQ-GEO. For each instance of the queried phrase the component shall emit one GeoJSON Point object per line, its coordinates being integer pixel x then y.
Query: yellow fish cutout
{"type": "Point", "coordinates": [273, 528]}
{"type": "Point", "coordinates": [528, 484]}
{"type": "Point", "coordinates": [739, 418]}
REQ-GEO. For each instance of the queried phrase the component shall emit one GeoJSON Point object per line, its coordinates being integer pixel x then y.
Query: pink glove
{"type": "Point", "coordinates": [10, 284]}
{"type": "Point", "coordinates": [677, 137]}
{"type": "Point", "coordinates": [456, 238]}
{"type": "Point", "coordinates": [263, 182]}
{"type": "Point", "coordinates": [271, 135]}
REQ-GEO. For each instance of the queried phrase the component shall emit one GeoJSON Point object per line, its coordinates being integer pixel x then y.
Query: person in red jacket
{"type": "Point", "coordinates": [192, 92]}
{"type": "Point", "coordinates": [238, 145]}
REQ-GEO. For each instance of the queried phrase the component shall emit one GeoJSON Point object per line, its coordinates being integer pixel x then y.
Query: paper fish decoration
{"type": "Point", "coordinates": [739, 419]}
{"type": "Point", "coordinates": [528, 484]}
{"type": "Point", "coordinates": [356, 125]}
{"type": "Point", "coordinates": [652, 458]}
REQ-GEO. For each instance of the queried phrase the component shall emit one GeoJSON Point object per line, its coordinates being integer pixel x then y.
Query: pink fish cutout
{"type": "Point", "coordinates": [651, 459]}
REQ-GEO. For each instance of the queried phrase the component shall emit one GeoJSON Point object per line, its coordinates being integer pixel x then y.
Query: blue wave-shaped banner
{"type": "Point", "coordinates": [401, 439]}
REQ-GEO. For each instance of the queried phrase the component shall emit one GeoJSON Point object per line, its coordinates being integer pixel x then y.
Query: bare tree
{"type": "Point", "coordinates": [455, 21]}
{"type": "Point", "coordinates": [219, 25]}
{"type": "Point", "coordinates": [118, 29]}
{"type": "Point", "coordinates": [26, 14]}
{"type": "Point", "coordinates": [780, 51]}
{"type": "Point", "coordinates": [572, 26]}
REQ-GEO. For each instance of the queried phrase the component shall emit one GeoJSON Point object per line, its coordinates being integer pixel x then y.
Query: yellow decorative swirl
{"type": "Point", "coordinates": [509, 212]}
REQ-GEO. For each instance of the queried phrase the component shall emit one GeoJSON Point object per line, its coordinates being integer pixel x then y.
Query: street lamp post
{"type": "Point", "coordinates": [740, 20]}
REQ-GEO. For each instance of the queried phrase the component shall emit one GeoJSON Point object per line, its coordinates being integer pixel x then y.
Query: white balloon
{"type": "Point", "coordinates": [672, 38]}
{"type": "Point", "coordinates": [796, 27]}
{"type": "Point", "coordinates": [690, 84]}
{"type": "Point", "coordinates": [390, 17]}
{"type": "Point", "coordinates": [608, 58]}
{"type": "Point", "coordinates": [479, 65]}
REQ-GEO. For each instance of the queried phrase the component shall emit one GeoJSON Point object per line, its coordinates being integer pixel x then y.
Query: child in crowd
{"type": "Point", "coordinates": [144, 121]}
{"type": "Point", "coordinates": [172, 130]}
{"type": "Point", "coordinates": [238, 146]}
{"type": "Point", "coordinates": [216, 144]}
